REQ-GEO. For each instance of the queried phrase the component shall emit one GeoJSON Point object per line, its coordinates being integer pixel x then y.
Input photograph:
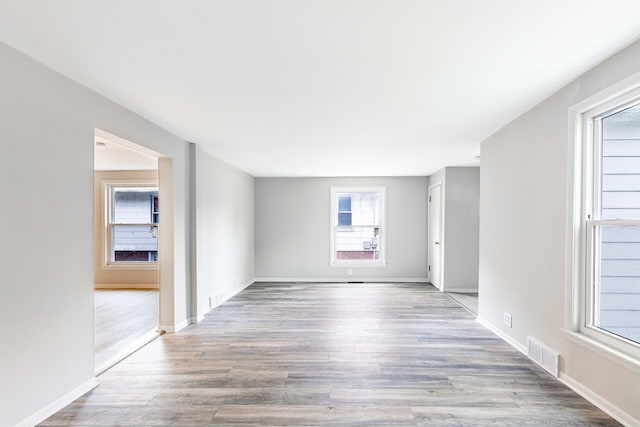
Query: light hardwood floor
{"type": "Point", "coordinates": [331, 355]}
{"type": "Point", "coordinates": [122, 317]}
{"type": "Point", "coordinates": [469, 301]}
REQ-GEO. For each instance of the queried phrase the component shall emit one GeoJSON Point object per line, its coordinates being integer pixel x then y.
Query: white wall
{"type": "Point", "coordinates": [47, 127]}
{"type": "Point", "coordinates": [293, 228]}
{"type": "Point", "coordinates": [523, 217]}
{"type": "Point", "coordinates": [225, 230]}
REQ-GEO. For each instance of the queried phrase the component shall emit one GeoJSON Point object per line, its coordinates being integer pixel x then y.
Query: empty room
{"type": "Point", "coordinates": [320, 213]}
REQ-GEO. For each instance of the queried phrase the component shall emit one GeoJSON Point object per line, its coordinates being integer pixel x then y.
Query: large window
{"type": "Point", "coordinates": [357, 226]}
{"type": "Point", "coordinates": [609, 289]}
{"type": "Point", "coordinates": [131, 227]}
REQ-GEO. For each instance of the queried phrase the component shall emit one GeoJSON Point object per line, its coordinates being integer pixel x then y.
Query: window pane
{"type": "Point", "coordinates": [616, 301]}
{"type": "Point", "coordinates": [344, 218]}
{"type": "Point", "coordinates": [134, 243]}
{"type": "Point", "coordinates": [358, 243]}
{"type": "Point", "coordinates": [364, 207]}
{"type": "Point", "coordinates": [620, 165]}
{"type": "Point", "coordinates": [133, 205]}
{"type": "Point", "coordinates": [344, 204]}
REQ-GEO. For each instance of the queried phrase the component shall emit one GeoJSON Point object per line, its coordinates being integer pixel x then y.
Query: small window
{"type": "Point", "coordinates": [357, 226]}
{"type": "Point", "coordinates": [132, 220]}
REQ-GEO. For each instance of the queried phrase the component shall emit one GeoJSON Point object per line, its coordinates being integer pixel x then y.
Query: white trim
{"type": "Point", "coordinates": [99, 286]}
{"type": "Point", "coordinates": [342, 279]}
{"type": "Point", "coordinates": [515, 344]}
{"type": "Point", "coordinates": [58, 404]}
{"type": "Point", "coordinates": [599, 401]}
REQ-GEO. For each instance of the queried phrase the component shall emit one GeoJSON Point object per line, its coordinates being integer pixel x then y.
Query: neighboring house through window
{"type": "Point", "coordinates": [357, 226]}
{"type": "Point", "coordinates": [132, 217]}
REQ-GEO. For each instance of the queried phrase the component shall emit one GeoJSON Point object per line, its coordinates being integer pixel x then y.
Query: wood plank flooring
{"type": "Point", "coordinates": [469, 301]}
{"type": "Point", "coordinates": [331, 355]}
{"type": "Point", "coordinates": [122, 317]}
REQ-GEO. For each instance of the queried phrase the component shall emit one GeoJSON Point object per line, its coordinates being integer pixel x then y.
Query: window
{"type": "Point", "coordinates": [131, 227]}
{"type": "Point", "coordinates": [610, 224]}
{"type": "Point", "coordinates": [357, 226]}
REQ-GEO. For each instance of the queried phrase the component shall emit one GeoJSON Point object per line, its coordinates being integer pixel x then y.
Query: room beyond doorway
{"type": "Point", "coordinates": [127, 249]}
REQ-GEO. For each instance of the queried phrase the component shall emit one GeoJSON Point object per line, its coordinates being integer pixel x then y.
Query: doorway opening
{"type": "Point", "coordinates": [127, 208]}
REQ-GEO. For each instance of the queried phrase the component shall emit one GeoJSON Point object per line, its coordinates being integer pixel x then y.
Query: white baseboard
{"type": "Point", "coordinates": [58, 404]}
{"type": "Point", "coordinates": [618, 414]}
{"type": "Point", "coordinates": [461, 291]}
{"type": "Point", "coordinates": [126, 286]}
{"type": "Point", "coordinates": [342, 279]}
{"type": "Point", "coordinates": [515, 344]}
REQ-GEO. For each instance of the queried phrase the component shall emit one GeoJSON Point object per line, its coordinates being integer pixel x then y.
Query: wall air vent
{"type": "Point", "coordinates": [543, 356]}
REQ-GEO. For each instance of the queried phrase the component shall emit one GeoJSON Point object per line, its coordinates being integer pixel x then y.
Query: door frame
{"type": "Point", "coordinates": [441, 225]}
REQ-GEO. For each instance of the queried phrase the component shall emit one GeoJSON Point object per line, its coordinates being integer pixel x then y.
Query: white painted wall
{"type": "Point", "coordinates": [293, 227]}
{"type": "Point", "coordinates": [225, 230]}
{"type": "Point", "coordinates": [47, 127]}
{"type": "Point", "coordinates": [523, 217]}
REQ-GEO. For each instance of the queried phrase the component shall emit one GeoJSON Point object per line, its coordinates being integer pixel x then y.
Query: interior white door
{"type": "Point", "coordinates": [435, 235]}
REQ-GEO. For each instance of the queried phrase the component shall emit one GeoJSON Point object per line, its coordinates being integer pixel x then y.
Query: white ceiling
{"type": "Point", "coordinates": [325, 87]}
{"type": "Point", "coordinates": [112, 156]}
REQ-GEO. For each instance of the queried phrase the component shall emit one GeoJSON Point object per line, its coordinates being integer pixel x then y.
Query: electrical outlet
{"type": "Point", "coordinates": [507, 319]}
{"type": "Point", "coordinates": [349, 271]}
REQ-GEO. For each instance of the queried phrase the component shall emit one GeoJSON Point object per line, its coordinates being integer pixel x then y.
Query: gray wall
{"type": "Point", "coordinates": [47, 127]}
{"type": "Point", "coordinates": [293, 228]}
{"type": "Point", "coordinates": [523, 230]}
{"type": "Point", "coordinates": [224, 227]}
{"type": "Point", "coordinates": [461, 206]}
{"type": "Point", "coordinates": [461, 223]}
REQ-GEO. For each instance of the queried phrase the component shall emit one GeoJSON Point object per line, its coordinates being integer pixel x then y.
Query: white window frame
{"type": "Point", "coordinates": [382, 248]}
{"type": "Point", "coordinates": [583, 221]}
{"type": "Point", "coordinates": [108, 188]}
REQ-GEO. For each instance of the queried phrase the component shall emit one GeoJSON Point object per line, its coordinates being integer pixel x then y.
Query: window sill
{"type": "Point", "coordinates": [612, 354]}
{"type": "Point", "coordinates": [130, 266]}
